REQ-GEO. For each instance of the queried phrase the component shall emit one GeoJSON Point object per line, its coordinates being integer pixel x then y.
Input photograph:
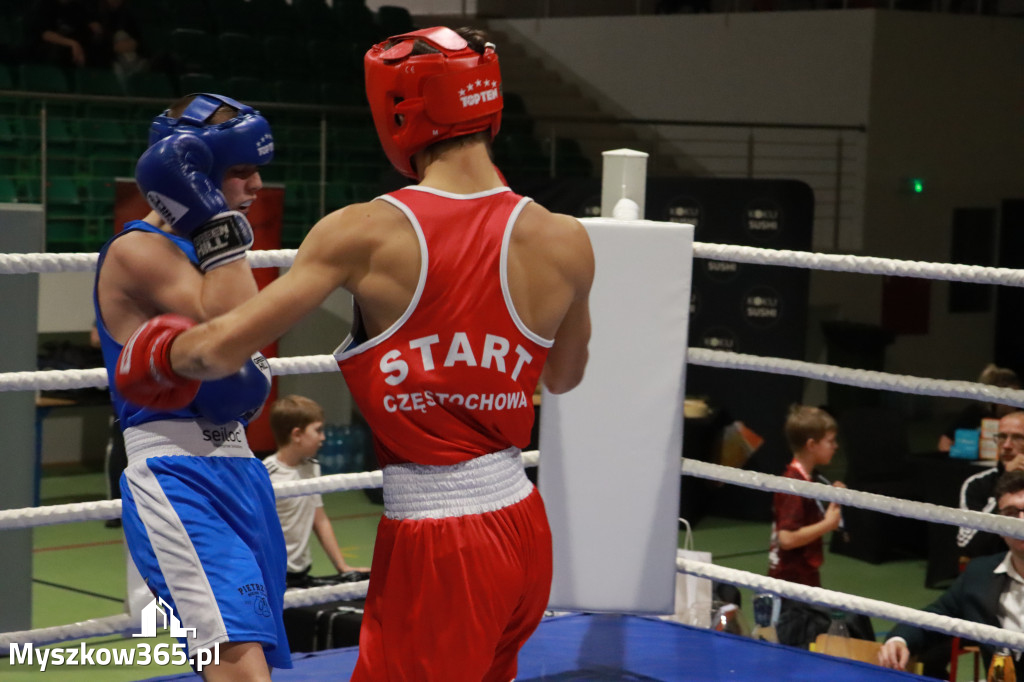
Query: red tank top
{"type": "Point", "coordinates": [454, 377]}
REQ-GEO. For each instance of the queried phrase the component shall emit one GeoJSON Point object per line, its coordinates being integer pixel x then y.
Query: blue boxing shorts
{"type": "Point", "coordinates": [202, 527]}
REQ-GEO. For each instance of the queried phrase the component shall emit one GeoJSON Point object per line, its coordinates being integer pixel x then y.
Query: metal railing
{"type": "Point", "coordinates": [829, 158]}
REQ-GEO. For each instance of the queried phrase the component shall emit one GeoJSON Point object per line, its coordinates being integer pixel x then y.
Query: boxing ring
{"type": "Point", "coordinates": [571, 647]}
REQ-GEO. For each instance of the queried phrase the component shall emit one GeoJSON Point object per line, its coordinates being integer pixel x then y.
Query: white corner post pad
{"type": "Point", "coordinates": [610, 449]}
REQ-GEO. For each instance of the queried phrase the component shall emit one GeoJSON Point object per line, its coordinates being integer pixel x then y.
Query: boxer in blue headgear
{"type": "Point", "coordinates": [198, 508]}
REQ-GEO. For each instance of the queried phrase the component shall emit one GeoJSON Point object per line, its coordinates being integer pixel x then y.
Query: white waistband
{"type": "Point", "coordinates": [198, 438]}
{"type": "Point", "coordinates": [477, 486]}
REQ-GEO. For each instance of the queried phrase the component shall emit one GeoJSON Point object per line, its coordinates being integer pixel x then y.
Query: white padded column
{"type": "Point", "coordinates": [610, 448]}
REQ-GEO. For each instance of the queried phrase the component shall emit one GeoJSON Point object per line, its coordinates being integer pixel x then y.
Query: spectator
{"type": "Point", "coordinates": [298, 427]}
{"type": "Point", "coordinates": [799, 523]}
{"type": "Point", "coordinates": [64, 33]}
{"type": "Point", "coordinates": [119, 44]}
{"type": "Point", "coordinates": [970, 417]}
{"type": "Point", "coordinates": [978, 491]}
{"type": "Point", "coordinates": [989, 591]}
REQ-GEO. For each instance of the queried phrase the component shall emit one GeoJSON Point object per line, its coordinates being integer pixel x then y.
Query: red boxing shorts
{"type": "Point", "coordinates": [461, 573]}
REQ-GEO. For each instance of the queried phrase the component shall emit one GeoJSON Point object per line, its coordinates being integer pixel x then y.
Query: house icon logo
{"type": "Point", "coordinates": [166, 614]}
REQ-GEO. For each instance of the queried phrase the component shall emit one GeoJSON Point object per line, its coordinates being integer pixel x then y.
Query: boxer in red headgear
{"type": "Point", "coordinates": [466, 295]}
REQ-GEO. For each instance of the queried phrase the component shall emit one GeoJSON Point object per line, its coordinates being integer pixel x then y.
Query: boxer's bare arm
{"type": "Point", "coordinates": [551, 269]}
{"type": "Point", "coordinates": [144, 275]}
{"type": "Point", "coordinates": [351, 248]}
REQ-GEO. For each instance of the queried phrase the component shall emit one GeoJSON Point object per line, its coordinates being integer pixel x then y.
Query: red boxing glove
{"type": "Point", "coordinates": [144, 376]}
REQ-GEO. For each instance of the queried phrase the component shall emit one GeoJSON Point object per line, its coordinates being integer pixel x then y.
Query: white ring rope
{"type": "Point", "coordinates": [925, 511]}
{"type": "Point", "coordinates": [111, 509]}
{"type": "Point", "coordinates": [856, 377]}
{"type": "Point", "coordinates": [74, 379]}
{"type": "Point", "coordinates": [124, 623]}
{"type": "Point", "coordinates": [27, 263]}
{"type": "Point", "coordinates": [867, 265]}
{"type": "Point", "coordinates": [871, 607]}
{"type": "Point", "coordinates": [48, 380]}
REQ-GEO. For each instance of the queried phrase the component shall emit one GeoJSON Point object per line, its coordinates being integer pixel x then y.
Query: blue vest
{"type": "Point", "coordinates": [128, 413]}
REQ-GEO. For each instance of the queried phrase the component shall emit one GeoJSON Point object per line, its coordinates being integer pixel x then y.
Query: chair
{"type": "Point", "coordinates": [855, 649]}
{"type": "Point", "coordinates": [332, 62]}
{"type": "Point", "coordinates": [8, 105]}
{"type": "Point", "coordinates": [65, 216]}
{"type": "Point", "coordinates": [285, 58]}
{"type": "Point", "coordinates": [198, 82]}
{"type": "Point", "coordinates": [42, 78]}
{"type": "Point", "coordinates": [317, 19]}
{"type": "Point", "coordinates": [97, 82]}
{"type": "Point", "coordinates": [8, 191]}
{"type": "Point", "coordinates": [239, 55]}
{"type": "Point", "coordinates": [192, 14]}
{"type": "Point", "coordinates": [235, 16]}
{"type": "Point", "coordinates": [151, 84]}
{"type": "Point", "coordinates": [394, 20]}
{"type": "Point", "coordinates": [296, 92]}
{"type": "Point", "coordinates": [957, 646]}
{"type": "Point", "coordinates": [276, 17]}
{"type": "Point", "coordinates": [195, 51]}
{"type": "Point", "coordinates": [248, 89]}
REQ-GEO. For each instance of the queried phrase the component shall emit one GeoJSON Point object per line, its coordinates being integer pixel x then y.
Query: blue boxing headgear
{"type": "Point", "coordinates": [243, 140]}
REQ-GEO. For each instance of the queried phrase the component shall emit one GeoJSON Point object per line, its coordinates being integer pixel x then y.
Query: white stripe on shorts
{"type": "Point", "coordinates": [179, 562]}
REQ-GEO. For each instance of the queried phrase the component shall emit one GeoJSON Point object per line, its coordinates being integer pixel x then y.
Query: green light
{"type": "Point", "coordinates": [917, 185]}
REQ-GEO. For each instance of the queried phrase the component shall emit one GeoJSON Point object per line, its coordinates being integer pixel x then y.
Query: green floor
{"type": "Point", "coordinates": [78, 571]}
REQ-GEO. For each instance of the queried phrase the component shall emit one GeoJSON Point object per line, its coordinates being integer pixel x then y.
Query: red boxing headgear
{"type": "Point", "coordinates": [417, 100]}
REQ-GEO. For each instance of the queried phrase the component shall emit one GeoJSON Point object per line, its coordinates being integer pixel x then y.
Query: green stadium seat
{"type": "Point", "coordinates": [394, 20]}
{"type": "Point", "coordinates": [198, 82]}
{"type": "Point", "coordinates": [194, 50]}
{"type": "Point", "coordinates": [28, 190]}
{"type": "Point", "coordinates": [296, 92]}
{"type": "Point", "coordinates": [8, 105]}
{"type": "Point", "coordinates": [236, 16]}
{"type": "Point", "coordinates": [8, 191]}
{"type": "Point", "coordinates": [63, 199]}
{"type": "Point", "coordinates": [248, 89]}
{"type": "Point", "coordinates": [277, 17]}
{"type": "Point", "coordinates": [286, 57]}
{"type": "Point", "coordinates": [42, 78]}
{"type": "Point", "coordinates": [239, 54]}
{"type": "Point", "coordinates": [192, 14]}
{"type": "Point", "coordinates": [151, 84]}
{"type": "Point", "coordinates": [97, 82]}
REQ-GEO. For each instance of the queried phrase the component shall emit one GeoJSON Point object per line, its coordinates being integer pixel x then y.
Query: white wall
{"type": "Point", "coordinates": [717, 67]}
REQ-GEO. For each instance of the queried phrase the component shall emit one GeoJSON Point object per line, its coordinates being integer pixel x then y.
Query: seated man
{"type": "Point", "coordinates": [298, 427]}
{"type": "Point", "coordinates": [977, 492]}
{"type": "Point", "coordinates": [989, 591]}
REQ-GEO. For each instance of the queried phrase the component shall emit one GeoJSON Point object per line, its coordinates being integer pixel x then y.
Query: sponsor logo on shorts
{"type": "Point", "coordinates": [223, 435]}
{"type": "Point", "coordinates": [255, 594]}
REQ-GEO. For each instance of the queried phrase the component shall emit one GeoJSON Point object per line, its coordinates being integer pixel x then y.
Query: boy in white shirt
{"type": "Point", "coordinates": [298, 427]}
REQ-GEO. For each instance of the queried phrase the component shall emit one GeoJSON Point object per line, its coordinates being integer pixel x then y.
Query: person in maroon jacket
{"type": "Point", "coordinates": [466, 295]}
{"type": "Point", "coordinates": [799, 523]}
